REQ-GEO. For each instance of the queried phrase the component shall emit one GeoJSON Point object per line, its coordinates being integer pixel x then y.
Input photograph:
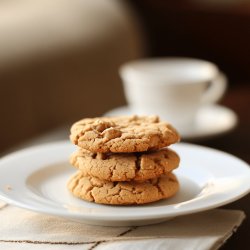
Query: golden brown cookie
{"type": "Point", "coordinates": [123, 134]}
{"type": "Point", "coordinates": [125, 166]}
{"type": "Point", "coordinates": [123, 193]}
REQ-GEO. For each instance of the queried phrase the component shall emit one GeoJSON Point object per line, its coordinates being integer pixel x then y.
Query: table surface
{"type": "Point", "coordinates": [237, 142]}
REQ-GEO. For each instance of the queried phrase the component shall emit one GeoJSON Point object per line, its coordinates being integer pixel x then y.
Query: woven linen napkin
{"type": "Point", "coordinates": [23, 229]}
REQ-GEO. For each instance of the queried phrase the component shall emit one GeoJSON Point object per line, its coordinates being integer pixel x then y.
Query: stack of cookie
{"type": "Point", "coordinates": [123, 160]}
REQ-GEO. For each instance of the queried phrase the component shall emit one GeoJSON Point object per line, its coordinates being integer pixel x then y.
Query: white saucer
{"type": "Point", "coordinates": [210, 121]}
{"type": "Point", "coordinates": [35, 179]}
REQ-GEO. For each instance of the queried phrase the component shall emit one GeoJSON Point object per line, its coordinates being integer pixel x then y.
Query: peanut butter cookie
{"type": "Point", "coordinates": [125, 166]}
{"type": "Point", "coordinates": [123, 134]}
{"type": "Point", "coordinates": [123, 193]}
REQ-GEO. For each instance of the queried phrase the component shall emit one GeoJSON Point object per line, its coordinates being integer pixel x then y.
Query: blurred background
{"type": "Point", "coordinates": [59, 59]}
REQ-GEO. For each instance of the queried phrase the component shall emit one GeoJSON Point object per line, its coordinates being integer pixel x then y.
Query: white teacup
{"type": "Point", "coordinates": [173, 88]}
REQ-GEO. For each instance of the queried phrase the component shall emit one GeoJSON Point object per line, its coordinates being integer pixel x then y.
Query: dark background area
{"type": "Point", "coordinates": [214, 32]}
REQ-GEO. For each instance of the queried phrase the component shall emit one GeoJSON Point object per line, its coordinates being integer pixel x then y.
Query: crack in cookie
{"type": "Point", "coordinates": [125, 167]}
{"type": "Point", "coordinates": [123, 193]}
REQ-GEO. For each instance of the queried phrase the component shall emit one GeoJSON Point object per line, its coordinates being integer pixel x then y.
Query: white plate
{"type": "Point", "coordinates": [35, 179]}
{"type": "Point", "coordinates": [210, 121]}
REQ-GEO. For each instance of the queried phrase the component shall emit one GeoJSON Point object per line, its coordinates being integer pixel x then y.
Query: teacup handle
{"type": "Point", "coordinates": [216, 90]}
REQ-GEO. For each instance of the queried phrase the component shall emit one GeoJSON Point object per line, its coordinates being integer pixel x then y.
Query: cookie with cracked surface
{"type": "Point", "coordinates": [123, 134]}
{"type": "Point", "coordinates": [123, 193]}
{"type": "Point", "coordinates": [125, 166]}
